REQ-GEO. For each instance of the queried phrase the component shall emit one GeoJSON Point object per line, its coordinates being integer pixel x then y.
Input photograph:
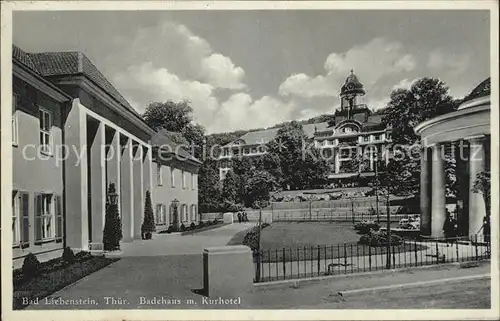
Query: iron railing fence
{"type": "Point", "coordinates": [334, 216]}
{"type": "Point", "coordinates": [349, 258]}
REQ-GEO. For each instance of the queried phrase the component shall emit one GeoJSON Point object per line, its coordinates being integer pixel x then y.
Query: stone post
{"type": "Point", "coordinates": [438, 202]}
{"type": "Point", "coordinates": [228, 271]}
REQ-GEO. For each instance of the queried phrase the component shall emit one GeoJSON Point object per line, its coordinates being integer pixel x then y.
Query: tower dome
{"type": "Point", "coordinates": [352, 86]}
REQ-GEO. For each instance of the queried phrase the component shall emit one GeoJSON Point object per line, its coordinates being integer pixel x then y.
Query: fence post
{"type": "Point", "coordinates": [284, 264]}
{"type": "Point", "coordinates": [456, 246]}
{"type": "Point", "coordinates": [370, 257]}
{"type": "Point", "coordinates": [437, 252]}
{"type": "Point", "coordinates": [475, 245]}
{"type": "Point", "coordinates": [319, 256]}
{"type": "Point", "coordinates": [345, 259]}
{"type": "Point", "coordinates": [416, 253]}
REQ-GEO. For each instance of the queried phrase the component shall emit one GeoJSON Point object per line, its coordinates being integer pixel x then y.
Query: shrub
{"type": "Point", "coordinates": [183, 227]}
{"type": "Point", "coordinates": [31, 266]}
{"type": "Point", "coordinates": [112, 226]}
{"type": "Point", "coordinates": [82, 255]}
{"type": "Point", "coordinates": [171, 229]}
{"type": "Point", "coordinates": [379, 238]}
{"type": "Point", "coordinates": [216, 221]}
{"type": "Point", "coordinates": [201, 224]}
{"type": "Point", "coordinates": [365, 227]}
{"type": "Point", "coordinates": [251, 239]}
{"type": "Point", "coordinates": [264, 225]}
{"type": "Point", "coordinates": [68, 256]}
{"type": "Point", "coordinates": [192, 226]}
{"type": "Point", "coordinates": [148, 225]}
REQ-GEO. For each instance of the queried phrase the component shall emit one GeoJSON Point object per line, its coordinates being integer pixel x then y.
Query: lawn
{"type": "Point", "coordinates": [307, 241]}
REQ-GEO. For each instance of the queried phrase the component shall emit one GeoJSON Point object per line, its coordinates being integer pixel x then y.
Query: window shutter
{"type": "Point", "coordinates": [59, 219]}
{"type": "Point", "coordinates": [158, 213]}
{"type": "Point", "coordinates": [25, 216]}
{"type": "Point", "coordinates": [38, 219]}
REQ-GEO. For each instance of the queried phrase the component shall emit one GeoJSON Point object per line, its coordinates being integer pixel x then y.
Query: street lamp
{"type": "Point", "coordinates": [112, 196]}
{"type": "Point", "coordinates": [175, 204]}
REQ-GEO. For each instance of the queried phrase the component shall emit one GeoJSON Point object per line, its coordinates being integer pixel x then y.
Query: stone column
{"type": "Point", "coordinates": [75, 180]}
{"type": "Point", "coordinates": [127, 191]}
{"type": "Point", "coordinates": [477, 209]}
{"type": "Point", "coordinates": [425, 191]}
{"type": "Point", "coordinates": [462, 177]}
{"type": "Point", "coordinates": [97, 187]}
{"type": "Point", "coordinates": [138, 194]}
{"type": "Point", "coordinates": [147, 173]}
{"type": "Point", "coordinates": [113, 158]}
{"type": "Point", "coordinates": [438, 202]}
{"type": "Point", "coordinates": [337, 162]}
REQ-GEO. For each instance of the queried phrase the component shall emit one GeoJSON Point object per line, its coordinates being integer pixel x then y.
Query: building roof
{"type": "Point", "coordinates": [24, 58]}
{"type": "Point", "coordinates": [481, 90]}
{"type": "Point", "coordinates": [51, 64]}
{"type": "Point", "coordinates": [161, 138]}
{"type": "Point", "coordinates": [266, 135]}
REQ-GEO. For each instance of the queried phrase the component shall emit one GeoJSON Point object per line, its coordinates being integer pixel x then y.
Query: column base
{"type": "Point", "coordinates": [96, 246]}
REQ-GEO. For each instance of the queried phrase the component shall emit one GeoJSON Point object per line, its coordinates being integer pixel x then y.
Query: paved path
{"type": "Point", "coordinates": [176, 244]}
{"type": "Point", "coordinates": [169, 266]}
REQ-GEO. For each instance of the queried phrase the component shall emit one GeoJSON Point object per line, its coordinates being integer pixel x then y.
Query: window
{"type": "Point", "coordinates": [14, 121]}
{"type": "Point", "coordinates": [193, 181]}
{"type": "Point", "coordinates": [16, 230]}
{"type": "Point", "coordinates": [193, 213]}
{"type": "Point", "coordinates": [366, 138]}
{"type": "Point", "coordinates": [376, 137]}
{"type": "Point", "coordinates": [159, 176]}
{"type": "Point", "coordinates": [172, 177]}
{"type": "Point", "coordinates": [226, 152]}
{"type": "Point", "coordinates": [184, 212]}
{"type": "Point", "coordinates": [171, 214]}
{"type": "Point", "coordinates": [45, 119]}
{"type": "Point", "coordinates": [48, 218]}
{"type": "Point", "coordinates": [161, 214]}
{"type": "Point", "coordinates": [183, 179]}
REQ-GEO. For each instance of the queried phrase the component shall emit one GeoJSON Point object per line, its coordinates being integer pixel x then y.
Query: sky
{"type": "Point", "coordinates": [253, 69]}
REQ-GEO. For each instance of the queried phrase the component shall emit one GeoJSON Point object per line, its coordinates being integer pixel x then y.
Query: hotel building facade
{"type": "Point", "coordinates": [354, 129]}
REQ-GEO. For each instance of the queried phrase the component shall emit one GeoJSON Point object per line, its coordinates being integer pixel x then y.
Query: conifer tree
{"type": "Point", "coordinates": [112, 226]}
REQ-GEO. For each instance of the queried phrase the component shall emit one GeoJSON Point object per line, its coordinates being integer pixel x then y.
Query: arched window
{"type": "Point", "coordinates": [184, 213]}
{"type": "Point", "coordinates": [193, 212]}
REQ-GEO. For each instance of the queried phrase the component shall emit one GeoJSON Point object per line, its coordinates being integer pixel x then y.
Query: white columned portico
{"type": "Point", "coordinates": [438, 202]}
{"type": "Point", "coordinates": [477, 209]}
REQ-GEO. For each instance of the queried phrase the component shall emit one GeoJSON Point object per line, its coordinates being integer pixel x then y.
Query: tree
{"type": "Point", "coordinates": [427, 98]}
{"type": "Point", "coordinates": [390, 178]}
{"type": "Point", "coordinates": [482, 185]}
{"type": "Point", "coordinates": [148, 225]}
{"type": "Point", "coordinates": [301, 164]}
{"type": "Point", "coordinates": [112, 233]}
{"type": "Point", "coordinates": [258, 188]}
{"type": "Point", "coordinates": [230, 185]}
{"type": "Point", "coordinates": [170, 115]}
{"type": "Point", "coordinates": [177, 119]}
{"type": "Point", "coordinates": [209, 186]}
